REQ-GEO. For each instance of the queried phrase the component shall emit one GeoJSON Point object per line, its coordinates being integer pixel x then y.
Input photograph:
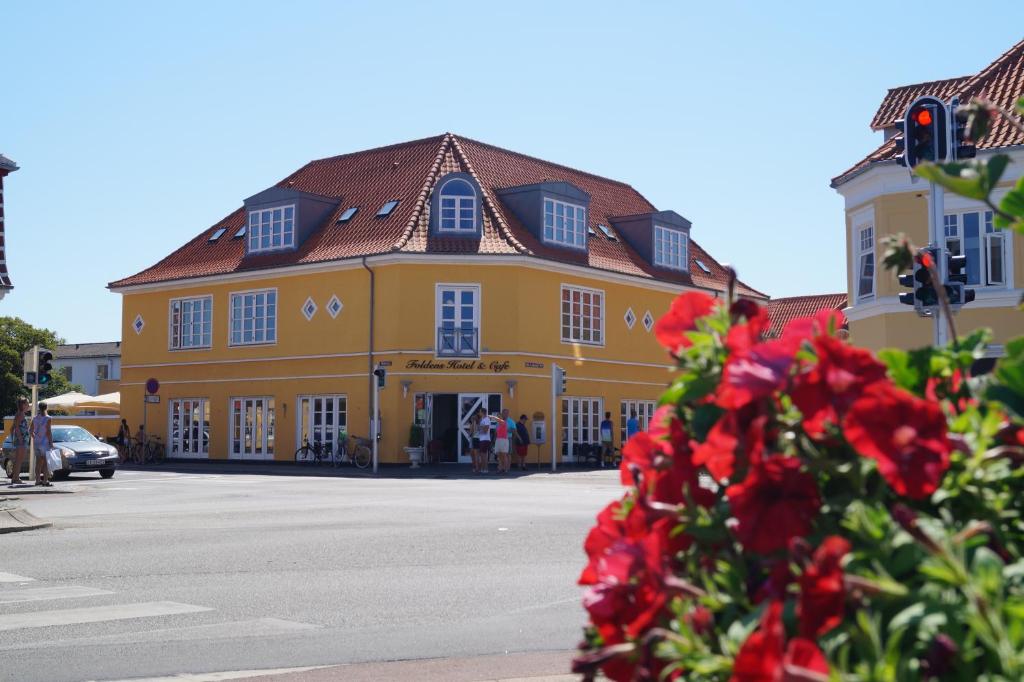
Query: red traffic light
{"type": "Point", "coordinates": [923, 117]}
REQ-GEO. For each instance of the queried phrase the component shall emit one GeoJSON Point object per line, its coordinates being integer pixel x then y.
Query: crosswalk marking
{"type": "Point", "coordinates": [12, 578]}
{"type": "Point", "coordinates": [95, 614]}
{"type": "Point", "coordinates": [44, 593]}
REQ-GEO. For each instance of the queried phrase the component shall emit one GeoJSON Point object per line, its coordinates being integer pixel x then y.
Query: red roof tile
{"type": "Point", "coordinates": [407, 172]}
{"type": "Point", "coordinates": [782, 310]}
{"type": "Point", "coordinates": [1001, 82]}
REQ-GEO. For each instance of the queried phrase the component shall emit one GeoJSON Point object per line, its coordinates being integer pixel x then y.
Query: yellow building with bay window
{"type": "Point", "coordinates": [463, 269]}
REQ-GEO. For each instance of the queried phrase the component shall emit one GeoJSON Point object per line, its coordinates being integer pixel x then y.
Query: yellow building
{"type": "Point", "coordinates": [883, 198]}
{"type": "Point", "coordinates": [464, 270]}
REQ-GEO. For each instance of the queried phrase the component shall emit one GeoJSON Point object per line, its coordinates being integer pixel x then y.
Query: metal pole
{"type": "Point", "coordinates": [937, 238]}
{"type": "Point", "coordinates": [376, 423]}
{"type": "Point", "coordinates": [554, 428]}
{"type": "Point", "coordinates": [32, 439]}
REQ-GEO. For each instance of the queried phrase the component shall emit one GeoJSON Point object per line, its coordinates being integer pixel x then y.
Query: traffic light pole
{"type": "Point", "coordinates": [554, 420]}
{"type": "Point", "coordinates": [375, 422]}
{"type": "Point", "coordinates": [937, 237]}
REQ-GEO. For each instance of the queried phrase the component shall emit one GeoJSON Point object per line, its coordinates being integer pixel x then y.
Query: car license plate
{"type": "Point", "coordinates": [94, 462]}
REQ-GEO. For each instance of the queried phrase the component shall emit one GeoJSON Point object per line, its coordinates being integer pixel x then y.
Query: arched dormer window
{"type": "Point", "coordinates": [458, 206]}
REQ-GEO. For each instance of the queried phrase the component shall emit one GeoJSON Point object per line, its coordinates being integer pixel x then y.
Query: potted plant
{"type": "Point", "coordinates": [415, 448]}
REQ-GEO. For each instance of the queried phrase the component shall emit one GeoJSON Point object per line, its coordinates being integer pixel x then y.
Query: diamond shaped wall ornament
{"type": "Point", "coordinates": [630, 318]}
{"type": "Point", "coordinates": [648, 320]}
{"type": "Point", "coordinates": [309, 308]}
{"type": "Point", "coordinates": [334, 306]}
{"type": "Point", "coordinates": [138, 324]}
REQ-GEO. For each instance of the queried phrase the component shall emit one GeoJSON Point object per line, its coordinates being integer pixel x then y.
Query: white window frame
{"type": "Point", "coordinates": [953, 231]}
{"type": "Point", "coordinates": [584, 408]}
{"type": "Point", "coordinates": [461, 203]}
{"type": "Point", "coordinates": [644, 413]}
{"type": "Point", "coordinates": [264, 449]}
{"type": "Point", "coordinates": [231, 318]}
{"type": "Point", "coordinates": [579, 224]}
{"type": "Point", "coordinates": [861, 250]}
{"type": "Point", "coordinates": [567, 331]}
{"type": "Point", "coordinates": [176, 337]}
{"type": "Point", "coordinates": [183, 444]}
{"type": "Point", "coordinates": [671, 248]}
{"type": "Point", "coordinates": [336, 404]}
{"type": "Point", "coordinates": [258, 229]}
{"type": "Point", "coordinates": [477, 312]}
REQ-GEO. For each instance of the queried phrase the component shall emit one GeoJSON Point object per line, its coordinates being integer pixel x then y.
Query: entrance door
{"type": "Point", "coordinates": [469, 403]}
{"type": "Point", "coordinates": [252, 428]}
{"type": "Point", "coordinates": [581, 421]}
{"type": "Point", "coordinates": [322, 419]}
{"type": "Point", "coordinates": [189, 428]}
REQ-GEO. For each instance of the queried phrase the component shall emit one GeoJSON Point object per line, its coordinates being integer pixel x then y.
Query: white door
{"type": "Point", "coordinates": [188, 428]}
{"type": "Point", "coordinates": [322, 419]}
{"type": "Point", "coordinates": [581, 423]}
{"type": "Point", "coordinates": [644, 414]}
{"type": "Point", "coordinates": [469, 404]}
{"type": "Point", "coordinates": [252, 428]}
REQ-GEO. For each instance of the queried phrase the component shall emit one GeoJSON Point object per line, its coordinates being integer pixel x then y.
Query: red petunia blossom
{"type": "Point", "coordinates": [755, 373]}
{"type": "Point", "coordinates": [822, 595]}
{"type": "Point", "coordinates": [728, 446]}
{"type": "Point", "coordinates": [841, 374]}
{"type": "Point", "coordinates": [760, 657]}
{"type": "Point", "coordinates": [804, 662]}
{"type": "Point", "coordinates": [681, 318]}
{"type": "Point", "coordinates": [905, 435]}
{"type": "Point", "coordinates": [773, 504]}
{"type": "Point", "coordinates": [662, 459]}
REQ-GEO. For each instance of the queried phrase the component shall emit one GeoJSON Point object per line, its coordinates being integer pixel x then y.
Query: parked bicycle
{"type": "Point", "coordinates": [353, 450]}
{"type": "Point", "coordinates": [311, 453]}
{"type": "Point", "coordinates": [152, 451]}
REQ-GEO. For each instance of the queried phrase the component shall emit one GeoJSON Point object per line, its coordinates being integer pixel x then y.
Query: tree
{"type": "Point", "coordinates": [16, 337]}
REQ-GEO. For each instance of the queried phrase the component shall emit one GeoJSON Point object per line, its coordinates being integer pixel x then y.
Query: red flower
{"type": "Point", "coordinates": [905, 435]}
{"type": "Point", "coordinates": [826, 392]}
{"type": "Point", "coordinates": [701, 621]}
{"type": "Point", "coordinates": [804, 662]}
{"type": "Point", "coordinates": [681, 318]}
{"type": "Point", "coordinates": [822, 596]}
{"type": "Point", "coordinates": [774, 503]}
{"type": "Point", "coordinates": [728, 445]}
{"type": "Point", "coordinates": [754, 373]}
{"type": "Point", "coordinates": [760, 657]}
{"type": "Point", "coordinates": [663, 461]}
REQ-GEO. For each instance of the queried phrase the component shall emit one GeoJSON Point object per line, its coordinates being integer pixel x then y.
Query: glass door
{"type": "Point", "coordinates": [189, 428]}
{"type": "Point", "coordinates": [469, 404]}
{"type": "Point", "coordinates": [322, 419]}
{"type": "Point", "coordinates": [581, 422]}
{"type": "Point", "coordinates": [252, 428]}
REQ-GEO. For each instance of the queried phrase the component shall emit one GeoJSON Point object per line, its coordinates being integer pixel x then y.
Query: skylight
{"type": "Point", "coordinates": [216, 235]}
{"type": "Point", "coordinates": [387, 208]}
{"type": "Point", "coordinates": [607, 232]}
{"type": "Point", "coordinates": [700, 264]}
{"type": "Point", "coordinates": [351, 211]}
{"type": "Point", "coordinates": [240, 233]}
{"type": "Point", "coordinates": [591, 232]}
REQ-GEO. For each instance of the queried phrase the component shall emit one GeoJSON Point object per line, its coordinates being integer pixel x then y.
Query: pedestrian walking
{"type": "Point", "coordinates": [140, 442]}
{"type": "Point", "coordinates": [483, 434]}
{"type": "Point", "coordinates": [502, 443]}
{"type": "Point", "coordinates": [21, 433]}
{"type": "Point", "coordinates": [607, 445]}
{"type": "Point", "coordinates": [42, 440]}
{"type": "Point", "coordinates": [522, 441]}
{"type": "Point", "coordinates": [124, 440]}
{"type": "Point", "coordinates": [632, 425]}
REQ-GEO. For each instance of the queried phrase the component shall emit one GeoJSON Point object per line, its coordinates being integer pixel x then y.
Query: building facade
{"type": "Point", "coordinates": [464, 270]}
{"type": "Point", "coordinates": [96, 367]}
{"type": "Point", "coordinates": [6, 168]}
{"type": "Point", "coordinates": [883, 198]}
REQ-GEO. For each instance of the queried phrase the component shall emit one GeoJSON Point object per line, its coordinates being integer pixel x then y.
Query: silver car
{"type": "Point", "coordinates": [80, 451]}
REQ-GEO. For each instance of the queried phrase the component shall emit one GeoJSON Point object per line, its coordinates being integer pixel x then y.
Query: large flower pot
{"type": "Point", "coordinates": [415, 456]}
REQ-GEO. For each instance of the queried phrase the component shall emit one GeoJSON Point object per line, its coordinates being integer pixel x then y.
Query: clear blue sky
{"type": "Point", "coordinates": [138, 125]}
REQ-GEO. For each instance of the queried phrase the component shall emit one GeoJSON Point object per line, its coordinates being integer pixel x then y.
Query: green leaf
{"type": "Point", "coordinates": [1013, 204]}
{"type": "Point", "coordinates": [958, 178]}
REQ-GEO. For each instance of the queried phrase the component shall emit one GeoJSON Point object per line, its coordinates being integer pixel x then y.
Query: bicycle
{"type": "Point", "coordinates": [309, 454]}
{"type": "Point", "coordinates": [156, 453]}
{"type": "Point", "coordinates": [353, 450]}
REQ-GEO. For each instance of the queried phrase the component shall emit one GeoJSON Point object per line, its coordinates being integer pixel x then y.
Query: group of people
{"type": "Point", "coordinates": [508, 434]}
{"type": "Point", "coordinates": [36, 433]}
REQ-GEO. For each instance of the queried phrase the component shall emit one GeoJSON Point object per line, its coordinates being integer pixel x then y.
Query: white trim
{"type": "Point", "coordinates": [459, 198]}
{"type": "Point", "coordinates": [252, 235]}
{"type": "Point", "coordinates": [477, 314]}
{"type": "Point", "coordinates": [169, 382]}
{"type": "Point", "coordinates": [170, 323]}
{"type": "Point", "coordinates": [554, 217]}
{"type": "Point", "coordinates": [985, 297]}
{"type": "Point", "coordinates": [341, 306]}
{"type": "Point", "coordinates": [305, 304]}
{"type": "Point", "coordinates": [625, 318]}
{"type": "Point", "coordinates": [231, 319]}
{"type": "Point", "coordinates": [582, 290]}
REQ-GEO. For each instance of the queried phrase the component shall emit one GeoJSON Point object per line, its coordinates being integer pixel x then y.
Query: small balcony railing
{"type": "Point", "coordinates": [458, 343]}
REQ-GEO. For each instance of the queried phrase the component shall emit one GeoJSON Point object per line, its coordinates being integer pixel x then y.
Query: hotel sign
{"type": "Point", "coordinates": [494, 366]}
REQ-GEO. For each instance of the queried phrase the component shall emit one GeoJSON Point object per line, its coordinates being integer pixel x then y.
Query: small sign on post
{"type": "Point", "coordinates": [152, 399]}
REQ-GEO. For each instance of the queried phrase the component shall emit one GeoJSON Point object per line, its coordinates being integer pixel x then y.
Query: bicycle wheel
{"type": "Point", "coordinates": [304, 455]}
{"type": "Point", "coordinates": [361, 457]}
{"type": "Point", "coordinates": [159, 453]}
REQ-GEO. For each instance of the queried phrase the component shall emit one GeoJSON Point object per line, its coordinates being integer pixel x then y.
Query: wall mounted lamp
{"type": "Point", "coordinates": [405, 388]}
{"type": "Point", "coordinates": [511, 388]}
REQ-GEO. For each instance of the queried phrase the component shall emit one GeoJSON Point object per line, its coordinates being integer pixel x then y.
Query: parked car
{"type": "Point", "coordinates": [80, 451]}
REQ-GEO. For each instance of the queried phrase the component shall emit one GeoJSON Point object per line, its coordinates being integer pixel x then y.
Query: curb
{"type": "Point", "coordinates": [15, 519]}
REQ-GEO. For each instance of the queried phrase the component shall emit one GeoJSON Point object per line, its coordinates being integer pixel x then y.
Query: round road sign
{"type": "Point", "coordinates": [152, 386]}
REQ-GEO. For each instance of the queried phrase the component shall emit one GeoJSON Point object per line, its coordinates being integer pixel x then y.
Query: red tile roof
{"type": "Point", "coordinates": [408, 172]}
{"type": "Point", "coordinates": [1001, 82]}
{"type": "Point", "coordinates": [782, 310]}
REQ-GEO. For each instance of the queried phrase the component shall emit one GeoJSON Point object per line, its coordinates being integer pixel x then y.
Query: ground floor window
{"type": "Point", "coordinates": [581, 424]}
{"type": "Point", "coordinates": [252, 428]}
{"type": "Point", "coordinates": [644, 413]}
{"type": "Point", "coordinates": [322, 419]}
{"type": "Point", "coordinates": [189, 420]}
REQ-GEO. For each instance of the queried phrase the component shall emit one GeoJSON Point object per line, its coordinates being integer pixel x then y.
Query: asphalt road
{"type": "Point", "coordinates": [156, 573]}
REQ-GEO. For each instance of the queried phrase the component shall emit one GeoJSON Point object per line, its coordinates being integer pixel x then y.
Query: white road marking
{"type": "Point", "coordinates": [12, 578]}
{"type": "Point", "coordinates": [227, 675]}
{"type": "Point", "coordinates": [95, 614]}
{"type": "Point", "coordinates": [44, 593]}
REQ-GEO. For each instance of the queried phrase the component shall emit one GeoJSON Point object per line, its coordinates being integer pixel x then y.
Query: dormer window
{"type": "Point", "coordinates": [670, 248]}
{"type": "Point", "coordinates": [565, 223]}
{"type": "Point", "coordinates": [458, 207]}
{"type": "Point", "coordinates": [272, 229]}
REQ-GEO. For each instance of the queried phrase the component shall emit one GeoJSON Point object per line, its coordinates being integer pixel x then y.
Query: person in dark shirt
{"type": "Point", "coordinates": [522, 441]}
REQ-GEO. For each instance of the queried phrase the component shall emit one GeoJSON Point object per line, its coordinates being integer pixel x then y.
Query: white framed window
{"type": "Point", "coordinates": [565, 224]}
{"type": "Point", "coordinates": [581, 424]}
{"type": "Point", "coordinates": [457, 317]}
{"type": "Point", "coordinates": [670, 248]}
{"type": "Point", "coordinates": [271, 229]}
{"type": "Point", "coordinates": [644, 413]}
{"type": "Point", "coordinates": [582, 315]}
{"type": "Point", "coordinates": [254, 317]}
{"type": "Point", "coordinates": [458, 207]}
{"type": "Point", "coordinates": [865, 276]}
{"type": "Point", "coordinates": [188, 421]}
{"type": "Point", "coordinates": [191, 322]}
{"type": "Point", "coordinates": [322, 419]}
{"type": "Point", "coordinates": [972, 233]}
{"type": "Point", "coordinates": [252, 428]}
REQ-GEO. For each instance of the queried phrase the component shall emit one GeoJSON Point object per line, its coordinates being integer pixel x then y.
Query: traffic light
{"type": "Point", "coordinates": [381, 375]}
{"type": "Point", "coordinates": [956, 280]}
{"type": "Point", "coordinates": [907, 280]}
{"type": "Point", "coordinates": [963, 147]}
{"type": "Point", "coordinates": [44, 366]}
{"type": "Point", "coordinates": [924, 296]}
{"type": "Point", "coordinates": [925, 132]}
{"type": "Point", "coordinates": [558, 376]}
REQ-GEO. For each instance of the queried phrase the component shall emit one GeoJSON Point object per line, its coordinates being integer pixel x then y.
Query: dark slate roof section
{"type": "Point", "coordinates": [408, 172]}
{"type": "Point", "coordinates": [1001, 82]}
{"type": "Point", "coordinates": [7, 164]}
{"type": "Point", "coordinates": [104, 349]}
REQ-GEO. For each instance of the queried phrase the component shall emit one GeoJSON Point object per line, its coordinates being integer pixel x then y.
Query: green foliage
{"type": "Point", "coordinates": [416, 436]}
{"type": "Point", "coordinates": [16, 337]}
